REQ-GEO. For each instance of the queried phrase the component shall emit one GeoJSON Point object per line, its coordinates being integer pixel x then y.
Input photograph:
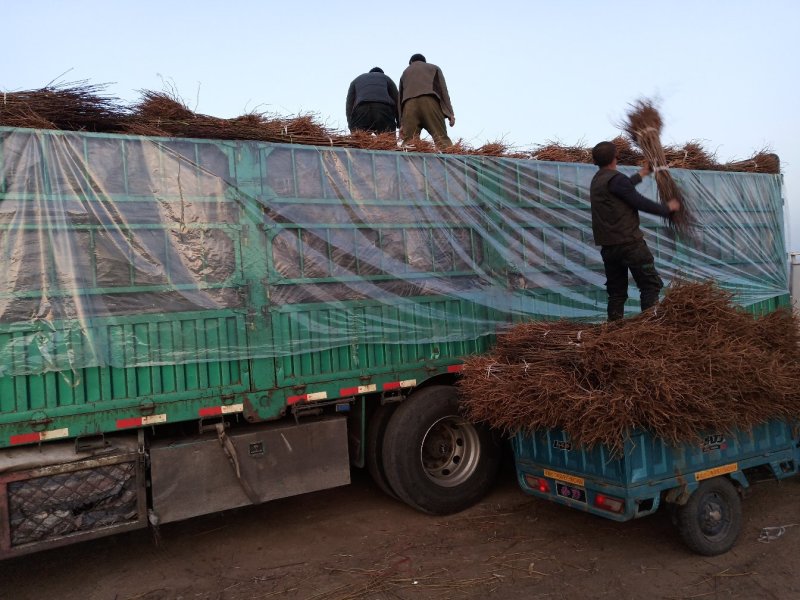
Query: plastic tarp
{"type": "Point", "coordinates": [107, 239]}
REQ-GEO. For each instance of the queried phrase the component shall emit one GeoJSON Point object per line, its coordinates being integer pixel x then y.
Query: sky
{"type": "Point", "coordinates": [526, 72]}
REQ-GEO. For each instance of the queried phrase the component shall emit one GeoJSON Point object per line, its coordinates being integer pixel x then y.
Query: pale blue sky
{"type": "Point", "coordinates": [526, 71]}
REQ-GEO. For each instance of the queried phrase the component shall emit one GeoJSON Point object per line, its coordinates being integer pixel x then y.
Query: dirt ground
{"type": "Point", "coordinates": [354, 542]}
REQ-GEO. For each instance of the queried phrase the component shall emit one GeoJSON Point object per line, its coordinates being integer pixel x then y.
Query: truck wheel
{"type": "Point", "coordinates": [435, 460]}
{"type": "Point", "coordinates": [376, 429]}
{"type": "Point", "coordinates": [711, 520]}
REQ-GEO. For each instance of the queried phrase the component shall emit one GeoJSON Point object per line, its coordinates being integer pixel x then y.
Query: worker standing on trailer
{"type": "Point", "coordinates": [615, 225]}
{"type": "Point", "coordinates": [372, 103]}
{"type": "Point", "coordinates": [425, 102]}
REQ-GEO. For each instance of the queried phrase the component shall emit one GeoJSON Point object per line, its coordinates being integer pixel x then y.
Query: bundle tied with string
{"type": "Point", "coordinates": [643, 126]}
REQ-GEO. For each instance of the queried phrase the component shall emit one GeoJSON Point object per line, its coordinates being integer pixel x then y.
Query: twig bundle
{"type": "Point", "coordinates": [644, 125]}
{"type": "Point", "coordinates": [553, 151]}
{"type": "Point", "coordinates": [695, 363]}
{"type": "Point", "coordinates": [626, 153]}
{"type": "Point", "coordinates": [76, 106]}
{"type": "Point", "coordinates": [763, 161]}
{"type": "Point", "coordinates": [691, 155]}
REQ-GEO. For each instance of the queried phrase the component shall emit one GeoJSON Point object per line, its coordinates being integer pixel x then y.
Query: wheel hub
{"type": "Point", "coordinates": [712, 517]}
{"type": "Point", "coordinates": [450, 451]}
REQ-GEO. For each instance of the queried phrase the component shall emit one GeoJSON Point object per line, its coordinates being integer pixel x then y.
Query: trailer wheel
{"type": "Point", "coordinates": [435, 460]}
{"type": "Point", "coordinates": [376, 429]}
{"type": "Point", "coordinates": [711, 520]}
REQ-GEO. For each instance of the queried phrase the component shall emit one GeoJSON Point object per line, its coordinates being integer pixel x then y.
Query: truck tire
{"type": "Point", "coordinates": [376, 429]}
{"type": "Point", "coordinates": [435, 460]}
{"type": "Point", "coordinates": [711, 520]}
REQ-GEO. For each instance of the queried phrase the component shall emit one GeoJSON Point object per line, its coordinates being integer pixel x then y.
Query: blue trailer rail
{"type": "Point", "coordinates": [701, 479]}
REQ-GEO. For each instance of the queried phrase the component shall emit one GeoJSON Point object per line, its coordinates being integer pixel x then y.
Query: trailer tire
{"type": "Point", "coordinates": [435, 460]}
{"type": "Point", "coordinates": [376, 429]}
{"type": "Point", "coordinates": [710, 522]}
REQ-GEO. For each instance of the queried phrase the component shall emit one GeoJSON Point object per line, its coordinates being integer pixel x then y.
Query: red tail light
{"type": "Point", "coordinates": [609, 503]}
{"type": "Point", "coordinates": [538, 483]}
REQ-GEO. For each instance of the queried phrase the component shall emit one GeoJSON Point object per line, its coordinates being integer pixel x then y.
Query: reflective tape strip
{"type": "Point", "coordinates": [25, 438]}
{"type": "Point", "coordinates": [396, 385]}
{"type": "Point", "coordinates": [38, 436]}
{"type": "Point", "coordinates": [224, 409]}
{"type": "Point", "coordinates": [361, 389]}
{"type": "Point", "coordinates": [140, 421]}
{"type": "Point", "coordinates": [55, 434]}
{"type": "Point", "coordinates": [307, 397]}
{"type": "Point", "coordinates": [579, 481]}
{"type": "Point", "coordinates": [716, 471]}
{"type": "Point", "coordinates": [455, 368]}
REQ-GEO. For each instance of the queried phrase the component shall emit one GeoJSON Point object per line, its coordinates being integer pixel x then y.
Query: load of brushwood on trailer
{"type": "Point", "coordinates": [695, 362]}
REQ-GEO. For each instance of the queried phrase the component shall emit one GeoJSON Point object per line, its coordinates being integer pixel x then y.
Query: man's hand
{"type": "Point", "coordinates": [452, 121]}
{"type": "Point", "coordinates": [645, 170]}
{"type": "Point", "coordinates": [673, 205]}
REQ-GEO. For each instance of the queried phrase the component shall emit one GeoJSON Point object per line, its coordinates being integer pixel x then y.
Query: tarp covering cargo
{"type": "Point", "coordinates": [111, 244]}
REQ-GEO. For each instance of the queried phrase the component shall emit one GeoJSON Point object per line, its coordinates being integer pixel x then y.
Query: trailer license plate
{"type": "Point", "coordinates": [571, 492]}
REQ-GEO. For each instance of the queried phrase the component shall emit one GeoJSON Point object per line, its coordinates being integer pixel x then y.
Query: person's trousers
{"type": "Point", "coordinates": [424, 112]}
{"type": "Point", "coordinates": [375, 117]}
{"type": "Point", "coordinates": [636, 258]}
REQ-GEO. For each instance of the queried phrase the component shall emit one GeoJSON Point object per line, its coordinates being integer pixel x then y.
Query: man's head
{"type": "Point", "coordinates": [416, 58]}
{"type": "Point", "coordinates": [604, 153]}
{"type": "Point", "coordinates": [376, 70]}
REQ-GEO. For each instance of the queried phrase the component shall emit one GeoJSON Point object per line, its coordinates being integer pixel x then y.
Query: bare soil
{"type": "Point", "coordinates": [354, 542]}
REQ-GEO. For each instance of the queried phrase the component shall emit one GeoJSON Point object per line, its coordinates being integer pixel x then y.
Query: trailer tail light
{"type": "Point", "coordinates": [609, 503]}
{"type": "Point", "coordinates": [538, 483]}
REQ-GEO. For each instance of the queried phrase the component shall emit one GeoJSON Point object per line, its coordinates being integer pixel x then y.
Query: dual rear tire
{"type": "Point", "coordinates": [426, 454]}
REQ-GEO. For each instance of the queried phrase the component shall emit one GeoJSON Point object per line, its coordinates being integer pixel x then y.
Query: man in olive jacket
{"type": "Point", "coordinates": [372, 103]}
{"type": "Point", "coordinates": [615, 226]}
{"type": "Point", "coordinates": [425, 102]}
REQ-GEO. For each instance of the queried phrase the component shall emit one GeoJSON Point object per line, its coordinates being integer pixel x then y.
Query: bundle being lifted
{"type": "Point", "coordinates": [643, 126]}
{"type": "Point", "coordinates": [695, 363]}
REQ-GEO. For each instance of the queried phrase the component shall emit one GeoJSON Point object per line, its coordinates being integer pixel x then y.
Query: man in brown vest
{"type": "Point", "coordinates": [425, 102]}
{"type": "Point", "coordinates": [615, 226]}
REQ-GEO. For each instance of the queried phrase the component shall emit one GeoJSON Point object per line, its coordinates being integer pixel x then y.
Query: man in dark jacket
{"type": "Point", "coordinates": [425, 102]}
{"type": "Point", "coordinates": [615, 225]}
{"type": "Point", "coordinates": [372, 103]}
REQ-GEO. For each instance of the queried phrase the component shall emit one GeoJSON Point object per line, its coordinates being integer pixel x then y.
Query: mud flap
{"type": "Point", "coordinates": [193, 477]}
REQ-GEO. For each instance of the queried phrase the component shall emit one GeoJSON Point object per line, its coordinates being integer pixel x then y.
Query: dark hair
{"type": "Point", "coordinates": [416, 57]}
{"type": "Point", "coordinates": [376, 70]}
{"type": "Point", "coordinates": [604, 153]}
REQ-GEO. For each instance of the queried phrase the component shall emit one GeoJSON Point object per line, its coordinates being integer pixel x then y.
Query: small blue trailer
{"type": "Point", "coordinates": [702, 480]}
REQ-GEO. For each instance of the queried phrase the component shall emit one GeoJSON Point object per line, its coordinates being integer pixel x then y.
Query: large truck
{"type": "Point", "coordinates": [188, 326]}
